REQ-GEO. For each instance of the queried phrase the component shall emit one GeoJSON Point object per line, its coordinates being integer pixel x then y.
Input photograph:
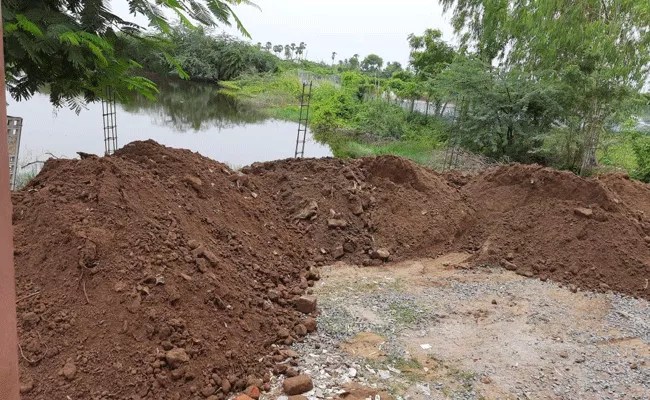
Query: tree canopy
{"type": "Point", "coordinates": [597, 50]}
{"type": "Point", "coordinates": [73, 47]}
{"type": "Point", "coordinates": [372, 63]}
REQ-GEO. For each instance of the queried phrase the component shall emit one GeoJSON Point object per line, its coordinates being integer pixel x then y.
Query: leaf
{"type": "Point", "coordinates": [28, 26]}
{"type": "Point", "coordinates": [70, 38]}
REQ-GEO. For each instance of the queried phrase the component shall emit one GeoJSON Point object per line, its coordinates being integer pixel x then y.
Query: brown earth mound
{"type": "Point", "coordinates": [160, 274]}
{"type": "Point", "coordinates": [155, 250]}
{"type": "Point", "coordinates": [541, 222]}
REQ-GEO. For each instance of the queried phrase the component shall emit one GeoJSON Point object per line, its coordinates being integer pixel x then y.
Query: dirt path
{"type": "Point", "coordinates": [431, 329]}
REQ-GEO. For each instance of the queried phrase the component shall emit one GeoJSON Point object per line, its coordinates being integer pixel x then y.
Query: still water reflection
{"type": "Point", "coordinates": [187, 115]}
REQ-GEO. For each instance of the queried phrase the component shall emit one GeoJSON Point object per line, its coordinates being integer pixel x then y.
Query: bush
{"type": "Point", "coordinates": [641, 148]}
{"type": "Point", "coordinates": [331, 108]}
{"type": "Point", "coordinates": [381, 119]}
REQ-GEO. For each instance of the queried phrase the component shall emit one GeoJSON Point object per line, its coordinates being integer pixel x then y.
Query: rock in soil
{"type": "Point", "coordinates": [297, 385]}
{"type": "Point", "coordinates": [306, 304]}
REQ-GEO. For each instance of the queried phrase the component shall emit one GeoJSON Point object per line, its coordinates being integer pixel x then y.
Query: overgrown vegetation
{"type": "Point", "coordinates": [75, 47]}
{"type": "Point", "coordinates": [556, 83]}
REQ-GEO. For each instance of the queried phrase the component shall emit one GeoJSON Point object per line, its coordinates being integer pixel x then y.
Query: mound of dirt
{"type": "Point", "coordinates": [377, 203]}
{"type": "Point", "coordinates": [173, 275]}
{"type": "Point", "coordinates": [178, 278]}
{"type": "Point", "coordinates": [556, 225]}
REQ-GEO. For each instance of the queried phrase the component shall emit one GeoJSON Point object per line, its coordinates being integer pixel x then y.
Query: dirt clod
{"type": "Point", "coordinates": [69, 370]}
{"type": "Point", "coordinates": [297, 385]}
{"type": "Point", "coordinates": [176, 357]}
{"type": "Point", "coordinates": [306, 304]}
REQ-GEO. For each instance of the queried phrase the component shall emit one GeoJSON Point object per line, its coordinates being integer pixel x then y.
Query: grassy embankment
{"type": "Point", "coordinates": [343, 117]}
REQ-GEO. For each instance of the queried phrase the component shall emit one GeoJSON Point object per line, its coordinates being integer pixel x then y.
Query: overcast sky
{"type": "Point", "coordinates": [344, 26]}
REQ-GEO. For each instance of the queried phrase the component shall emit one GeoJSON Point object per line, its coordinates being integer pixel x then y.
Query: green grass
{"type": "Point", "coordinates": [619, 154]}
{"type": "Point", "coordinates": [286, 113]}
{"type": "Point", "coordinates": [420, 151]}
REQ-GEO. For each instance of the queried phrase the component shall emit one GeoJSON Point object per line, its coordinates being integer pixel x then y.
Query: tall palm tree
{"type": "Point", "coordinates": [333, 56]}
{"type": "Point", "coordinates": [268, 46]}
{"type": "Point", "coordinates": [302, 48]}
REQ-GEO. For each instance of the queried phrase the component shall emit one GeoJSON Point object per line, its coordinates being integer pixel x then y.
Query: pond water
{"type": "Point", "coordinates": [186, 115]}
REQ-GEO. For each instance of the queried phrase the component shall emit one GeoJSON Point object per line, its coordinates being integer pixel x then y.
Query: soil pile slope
{"type": "Point", "coordinates": [156, 251]}
{"type": "Point", "coordinates": [592, 233]}
{"type": "Point", "coordinates": [174, 276]}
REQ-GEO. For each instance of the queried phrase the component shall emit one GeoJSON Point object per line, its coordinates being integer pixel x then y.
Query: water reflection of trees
{"type": "Point", "coordinates": [186, 106]}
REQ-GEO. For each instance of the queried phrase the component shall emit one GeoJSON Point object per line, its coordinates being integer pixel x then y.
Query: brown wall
{"type": "Point", "coordinates": [8, 334]}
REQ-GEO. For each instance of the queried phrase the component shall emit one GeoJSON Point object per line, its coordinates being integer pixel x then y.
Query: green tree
{"type": "Point", "coordinates": [503, 115]}
{"type": "Point", "coordinates": [354, 62]}
{"type": "Point", "coordinates": [391, 68]}
{"type": "Point", "coordinates": [268, 46]}
{"type": "Point", "coordinates": [372, 63]}
{"type": "Point", "coordinates": [598, 50]}
{"type": "Point", "coordinates": [301, 49]}
{"type": "Point", "coordinates": [429, 53]}
{"type": "Point", "coordinates": [278, 49]}
{"type": "Point", "coordinates": [74, 47]}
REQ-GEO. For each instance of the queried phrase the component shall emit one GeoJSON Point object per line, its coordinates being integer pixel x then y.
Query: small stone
{"type": "Point", "coordinates": [297, 397]}
{"type": "Point", "coordinates": [297, 385]}
{"type": "Point", "coordinates": [583, 212]}
{"type": "Point", "coordinates": [337, 223]}
{"type": "Point", "coordinates": [338, 252]}
{"type": "Point", "coordinates": [307, 212]}
{"type": "Point", "coordinates": [313, 275]}
{"type": "Point", "coordinates": [508, 265]}
{"type": "Point", "coordinates": [30, 319]}
{"type": "Point", "coordinates": [310, 324]}
{"type": "Point", "coordinates": [283, 333]}
{"type": "Point", "coordinates": [380, 254]}
{"type": "Point", "coordinates": [69, 370]}
{"type": "Point", "coordinates": [193, 181]}
{"type": "Point", "coordinates": [243, 397]}
{"type": "Point", "coordinates": [486, 380]}
{"type": "Point", "coordinates": [253, 392]}
{"type": "Point", "coordinates": [494, 302]}
{"type": "Point", "coordinates": [290, 372]}
{"type": "Point", "coordinates": [300, 330]}
{"type": "Point", "coordinates": [564, 354]}
{"type": "Point", "coordinates": [289, 353]}
{"type": "Point", "coordinates": [185, 276]}
{"type": "Point", "coordinates": [176, 357]}
{"type": "Point", "coordinates": [573, 288]}
{"type": "Point", "coordinates": [543, 277]}
{"type": "Point", "coordinates": [202, 265]}
{"type": "Point", "coordinates": [634, 366]}
{"type": "Point", "coordinates": [166, 345]}
{"type": "Point", "coordinates": [194, 244]}
{"type": "Point", "coordinates": [27, 386]}
{"type": "Point", "coordinates": [306, 304]}
{"type": "Point", "coordinates": [225, 385]}
{"type": "Point", "coordinates": [647, 239]}
{"type": "Point", "coordinates": [210, 257]}
{"type": "Point", "coordinates": [207, 391]}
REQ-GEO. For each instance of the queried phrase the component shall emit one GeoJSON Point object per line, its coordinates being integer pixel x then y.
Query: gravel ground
{"type": "Point", "coordinates": [453, 333]}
